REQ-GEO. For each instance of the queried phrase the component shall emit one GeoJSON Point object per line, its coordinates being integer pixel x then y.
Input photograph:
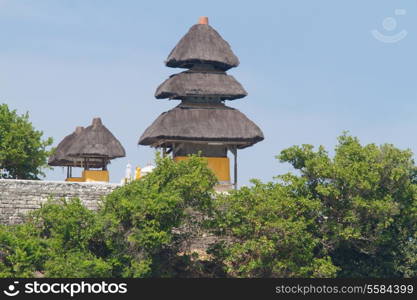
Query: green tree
{"type": "Point", "coordinates": [61, 239]}
{"type": "Point", "coordinates": [141, 229]}
{"type": "Point", "coordinates": [268, 230]}
{"type": "Point", "coordinates": [406, 260]}
{"type": "Point", "coordinates": [350, 215]}
{"type": "Point", "coordinates": [149, 221]}
{"type": "Point", "coordinates": [23, 153]}
{"type": "Point", "coordinates": [22, 252]}
{"type": "Point", "coordinates": [368, 197]}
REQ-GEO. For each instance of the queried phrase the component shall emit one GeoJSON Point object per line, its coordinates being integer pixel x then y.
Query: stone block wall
{"type": "Point", "coordinates": [18, 197]}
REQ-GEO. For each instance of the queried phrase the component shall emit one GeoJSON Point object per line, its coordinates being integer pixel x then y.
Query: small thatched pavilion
{"type": "Point", "coordinates": [89, 148]}
{"type": "Point", "coordinates": [201, 122]}
{"type": "Point", "coordinates": [60, 158]}
{"type": "Point", "coordinates": [95, 146]}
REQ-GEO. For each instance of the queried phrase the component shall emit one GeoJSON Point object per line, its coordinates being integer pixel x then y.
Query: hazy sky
{"type": "Point", "coordinates": [312, 69]}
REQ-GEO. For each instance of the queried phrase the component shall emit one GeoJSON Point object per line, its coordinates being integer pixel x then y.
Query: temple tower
{"type": "Point", "coordinates": [202, 123]}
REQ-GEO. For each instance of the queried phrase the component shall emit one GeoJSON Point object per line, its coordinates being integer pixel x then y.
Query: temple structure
{"type": "Point", "coordinates": [90, 148]}
{"type": "Point", "coordinates": [59, 157]}
{"type": "Point", "coordinates": [202, 123]}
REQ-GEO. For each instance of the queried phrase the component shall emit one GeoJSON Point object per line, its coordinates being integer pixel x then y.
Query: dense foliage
{"type": "Point", "coordinates": [272, 232]}
{"type": "Point", "coordinates": [23, 153]}
{"type": "Point", "coordinates": [351, 215]}
{"type": "Point", "coordinates": [368, 196]}
{"type": "Point", "coordinates": [140, 218]}
{"type": "Point", "coordinates": [132, 235]}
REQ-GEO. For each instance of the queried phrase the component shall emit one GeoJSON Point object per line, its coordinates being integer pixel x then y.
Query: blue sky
{"type": "Point", "coordinates": [312, 69]}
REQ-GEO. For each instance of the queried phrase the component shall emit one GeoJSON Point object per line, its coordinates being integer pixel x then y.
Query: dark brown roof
{"type": "Point", "coordinates": [208, 84]}
{"type": "Point", "coordinates": [60, 157]}
{"type": "Point", "coordinates": [202, 44]}
{"type": "Point", "coordinates": [208, 122]}
{"type": "Point", "coordinates": [96, 141]}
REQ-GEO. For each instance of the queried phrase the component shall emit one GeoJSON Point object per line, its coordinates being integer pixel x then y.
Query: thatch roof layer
{"type": "Point", "coordinates": [96, 141]}
{"type": "Point", "coordinates": [202, 44]}
{"type": "Point", "coordinates": [60, 157]}
{"type": "Point", "coordinates": [201, 84]}
{"type": "Point", "coordinates": [208, 122]}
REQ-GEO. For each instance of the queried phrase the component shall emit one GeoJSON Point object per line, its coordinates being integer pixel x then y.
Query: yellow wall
{"type": "Point", "coordinates": [219, 165]}
{"type": "Point", "coordinates": [137, 173]}
{"type": "Point", "coordinates": [95, 175]}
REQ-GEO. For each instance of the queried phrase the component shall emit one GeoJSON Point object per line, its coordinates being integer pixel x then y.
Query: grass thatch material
{"type": "Point", "coordinates": [201, 84]}
{"type": "Point", "coordinates": [202, 44]}
{"type": "Point", "coordinates": [60, 157]}
{"type": "Point", "coordinates": [198, 122]}
{"type": "Point", "coordinates": [96, 141]}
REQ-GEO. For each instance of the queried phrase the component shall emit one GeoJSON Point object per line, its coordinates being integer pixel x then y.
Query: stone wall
{"type": "Point", "coordinates": [18, 197]}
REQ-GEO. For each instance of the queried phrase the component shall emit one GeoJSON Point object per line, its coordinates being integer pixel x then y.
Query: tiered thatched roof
{"type": "Point", "coordinates": [202, 118]}
{"type": "Point", "coordinates": [202, 122]}
{"type": "Point", "coordinates": [201, 84]}
{"type": "Point", "coordinates": [96, 141]}
{"type": "Point", "coordinates": [202, 45]}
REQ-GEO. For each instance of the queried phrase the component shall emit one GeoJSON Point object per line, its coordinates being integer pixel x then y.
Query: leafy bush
{"type": "Point", "coordinates": [134, 234]}
{"type": "Point", "coordinates": [270, 233]}
{"type": "Point", "coordinates": [22, 251]}
{"type": "Point", "coordinates": [351, 215]}
{"type": "Point", "coordinates": [58, 240]}
{"type": "Point", "coordinates": [368, 197]}
{"type": "Point", "coordinates": [140, 218]}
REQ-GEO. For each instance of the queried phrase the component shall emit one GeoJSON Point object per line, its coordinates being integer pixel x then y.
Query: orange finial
{"type": "Point", "coordinates": [203, 20]}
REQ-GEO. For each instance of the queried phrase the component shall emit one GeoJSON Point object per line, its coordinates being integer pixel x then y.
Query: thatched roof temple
{"type": "Point", "coordinates": [91, 147]}
{"type": "Point", "coordinates": [96, 141]}
{"type": "Point", "coordinates": [202, 122]}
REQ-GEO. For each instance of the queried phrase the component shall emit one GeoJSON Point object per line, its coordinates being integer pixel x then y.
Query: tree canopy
{"type": "Point", "coordinates": [350, 215]}
{"type": "Point", "coordinates": [23, 152]}
{"type": "Point", "coordinates": [134, 233]}
{"type": "Point", "coordinates": [368, 205]}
